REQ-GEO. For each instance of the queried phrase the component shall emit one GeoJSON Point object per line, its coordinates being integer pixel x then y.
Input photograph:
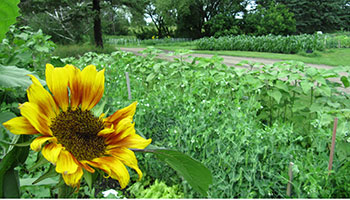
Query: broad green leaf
{"type": "Point", "coordinates": [345, 81]}
{"type": "Point", "coordinates": [49, 174]}
{"type": "Point", "coordinates": [12, 76]}
{"type": "Point", "coordinates": [343, 151]}
{"type": "Point", "coordinates": [88, 178]}
{"type": "Point", "coordinates": [150, 77]}
{"type": "Point", "coordinates": [196, 174]}
{"type": "Point", "coordinates": [42, 161]}
{"type": "Point", "coordinates": [305, 86]}
{"type": "Point", "coordinates": [276, 94]}
{"type": "Point", "coordinates": [29, 182]}
{"type": "Point", "coordinates": [8, 13]}
{"type": "Point", "coordinates": [16, 156]}
{"type": "Point", "coordinates": [11, 185]}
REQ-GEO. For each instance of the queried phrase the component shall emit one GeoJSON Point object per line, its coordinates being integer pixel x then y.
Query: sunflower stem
{"type": "Point", "coordinates": [64, 191]}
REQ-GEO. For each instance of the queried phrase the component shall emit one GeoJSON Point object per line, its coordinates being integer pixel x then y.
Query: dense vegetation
{"type": "Point", "coordinates": [277, 44]}
{"type": "Point", "coordinates": [245, 125]}
{"type": "Point", "coordinates": [87, 20]}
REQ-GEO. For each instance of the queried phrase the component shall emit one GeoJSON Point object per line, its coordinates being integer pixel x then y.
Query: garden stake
{"type": "Point", "coordinates": [290, 174]}
{"type": "Point", "coordinates": [333, 145]}
{"type": "Point", "coordinates": [128, 84]}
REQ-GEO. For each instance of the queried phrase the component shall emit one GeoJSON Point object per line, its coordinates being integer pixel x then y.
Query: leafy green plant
{"type": "Point", "coordinates": [267, 43]}
{"type": "Point", "coordinates": [245, 125]}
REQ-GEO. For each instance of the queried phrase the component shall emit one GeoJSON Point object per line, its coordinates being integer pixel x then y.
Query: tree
{"type": "Point", "coordinates": [274, 18]}
{"type": "Point", "coordinates": [317, 15]}
{"type": "Point", "coordinates": [97, 23]}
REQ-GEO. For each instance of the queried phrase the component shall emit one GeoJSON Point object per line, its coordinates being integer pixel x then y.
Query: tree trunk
{"type": "Point", "coordinates": [97, 23]}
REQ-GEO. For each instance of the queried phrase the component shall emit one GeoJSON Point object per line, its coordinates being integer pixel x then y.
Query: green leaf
{"type": "Point", "coordinates": [8, 13]}
{"type": "Point", "coordinates": [88, 178]}
{"type": "Point", "coordinates": [196, 174]}
{"type": "Point", "coordinates": [12, 76]}
{"type": "Point", "coordinates": [49, 174]}
{"type": "Point", "coordinates": [276, 94]}
{"type": "Point", "coordinates": [29, 182]}
{"type": "Point", "coordinates": [305, 86]}
{"type": "Point", "coordinates": [11, 186]}
{"type": "Point", "coordinates": [150, 77]}
{"type": "Point", "coordinates": [42, 161]}
{"type": "Point", "coordinates": [345, 81]}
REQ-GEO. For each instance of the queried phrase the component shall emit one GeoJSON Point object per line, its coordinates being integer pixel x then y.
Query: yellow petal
{"type": "Point", "coordinates": [39, 141]}
{"type": "Point", "coordinates": [106, 131]}
{"type": "Point", "coordinates": [124, 128]}
{"type": "Point", "coordinates": [127, 157]}
{"type": "Point", "coordinates": [51, 152]}
{"type": "Point", "coordinates": [114, 168]}
{"type": "Point", "coordinates": [92, 87]}
{"type": "Point", "coordinates": [66, 163]}
{"type": "Point", "coordinates": [73, 179]}
{"type": "Point", "coordinates": [98, 89]}
{"type": "Point", "coordinates": [57, 81]}
{"type": "Point", "coordinates": [133, 141]}
{"type": "Point", "coordinates": [39, 121]}
{"type": "Point", "coordinates": [75, 85]}
{"type": "Point", "coordinates": [20, 125]}
{"type": "Point", "coordinates": [38, 95]}
{"type": "Point", "coordinates": [128, 111]}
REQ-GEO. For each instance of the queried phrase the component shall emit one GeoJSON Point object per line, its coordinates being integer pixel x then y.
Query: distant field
{"type": "Point", "coordinates": [333, 57]}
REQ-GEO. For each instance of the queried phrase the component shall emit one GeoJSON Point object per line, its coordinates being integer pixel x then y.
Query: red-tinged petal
{"type": "Point", "coordinates": [114, 168]}
{"type": "Point", "coordinates": [51, 152]}
{"type": "Point", "coordinates": [39, 121]}
{"type": "Point", "coordinates": [75, 85]}
{"type": "Point", "coordinates": [92, 87]}
{"type": "Point", "coordinates": [73, 179]}
{"type": "Point", "coordinates": [20, 125]}
{"type": "Point", "coordinates": [66, 163]}
{"type": "Point", "coordinates": [132, 142]}
{"type": "Point", "coordinates": [124, 128]}
{"type": "Point", "coordinates": [127, 157]}
{"type": "Point", "coordinates": [106, 131]}
{"type": "Point", "coordinates": [57, 81]}
{"type": "Point", "coordinates": [41, 97]}
{"type": "Point", "coordinates": [85, 165]}
{"type": "Point", "coordinates": [39, 141]}
{"type": "Point", "coordinates": [128, 111]}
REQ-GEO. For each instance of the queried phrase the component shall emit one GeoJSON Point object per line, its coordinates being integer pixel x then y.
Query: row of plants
{"type": "Point", "coordinates": [138, 42]}
{"type": "Point", "coordinates": [276, 44]}
{"type": "Point", "coordinates": [245, 125]}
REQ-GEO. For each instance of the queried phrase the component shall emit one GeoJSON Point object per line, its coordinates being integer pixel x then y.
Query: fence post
{"type": "Point", "coordinates": [290, 174]}
{"type": "Point", "coordinates": [333, 145]}
{"type": "Point", "coordinates": [128, 84]}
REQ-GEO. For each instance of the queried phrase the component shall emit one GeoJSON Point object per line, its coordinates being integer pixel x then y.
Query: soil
{"type": "Point", "coordinates": [233, 60]}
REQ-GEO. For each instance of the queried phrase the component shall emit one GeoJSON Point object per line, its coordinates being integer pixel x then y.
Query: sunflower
{"type": "Point", "coordinates": [71, 137]}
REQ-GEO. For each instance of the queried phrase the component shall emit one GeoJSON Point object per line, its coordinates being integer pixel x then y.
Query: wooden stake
{"type": "Point", "coordinates": [333, 145]}
{"type": "Point", "coordinates": [128, 84]}
{"type": "Point", "coordinates": [290, 174]}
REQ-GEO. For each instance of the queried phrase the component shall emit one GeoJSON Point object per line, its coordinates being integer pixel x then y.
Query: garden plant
{"type": "Point", "coordinates": [70, 128]}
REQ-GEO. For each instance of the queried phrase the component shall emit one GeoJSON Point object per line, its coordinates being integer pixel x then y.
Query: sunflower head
{"type": "Point", "coordinates": [70, 136]}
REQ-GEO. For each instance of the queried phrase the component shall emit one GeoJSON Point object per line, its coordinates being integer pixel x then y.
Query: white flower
{"type": "Point", "coordinates": [108, 192]}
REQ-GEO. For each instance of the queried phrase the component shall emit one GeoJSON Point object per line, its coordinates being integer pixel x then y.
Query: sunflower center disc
{"type": "Point", "coordinates": [77, 131]}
